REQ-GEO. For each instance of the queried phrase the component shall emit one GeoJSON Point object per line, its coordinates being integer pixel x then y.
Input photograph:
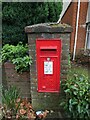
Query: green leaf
{"type": "Point", "coordinates": [73, 87]}
{"type": "Point", "coordinates": [67, 90]}
{"type": "Point", "coordinates": [79, 108]}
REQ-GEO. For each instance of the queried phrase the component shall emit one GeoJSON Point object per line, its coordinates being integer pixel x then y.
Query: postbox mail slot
{"type": "Point", "coordinates": [48, 48]}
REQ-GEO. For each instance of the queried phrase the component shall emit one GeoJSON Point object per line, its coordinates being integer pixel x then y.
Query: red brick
{"type": "Point", "coordinates": [11, 77]}
{"type": "Point", "coordinates": [70, 18]}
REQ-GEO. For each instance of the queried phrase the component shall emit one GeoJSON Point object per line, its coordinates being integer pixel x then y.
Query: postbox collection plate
{"type": "Point", "coordinates": [48, 53]}
{"type": "Point", "coordinates": [48, 67]}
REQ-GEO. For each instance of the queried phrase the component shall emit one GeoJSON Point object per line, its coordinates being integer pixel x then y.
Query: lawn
{"type": "Point", "coordinates": [83, 69]}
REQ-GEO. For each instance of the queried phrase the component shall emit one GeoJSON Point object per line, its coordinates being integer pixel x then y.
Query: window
{"type": "Point", "coordinates": [88, 41]}
{"type": "Point", "coordinates": [88, 37]}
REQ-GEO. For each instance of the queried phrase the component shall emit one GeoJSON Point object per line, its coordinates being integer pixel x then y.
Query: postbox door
{"type": "Point", "coordinates": [48, 64]}
{"type": "Point", "coordinates": [48, 77]}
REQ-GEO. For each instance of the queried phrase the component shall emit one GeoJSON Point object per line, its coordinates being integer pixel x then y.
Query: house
{"type": "Point", "coordinates": [87, 44]}
{"type": "Point", "coordinates": [77, 14]}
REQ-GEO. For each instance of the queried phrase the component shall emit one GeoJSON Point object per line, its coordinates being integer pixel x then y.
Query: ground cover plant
{"type": "Point", "coordinates": [77, 89]}
{"type": "Point", "coordinates": [15, 107]}
{"type": "Point", "coordinates": [18, 55]}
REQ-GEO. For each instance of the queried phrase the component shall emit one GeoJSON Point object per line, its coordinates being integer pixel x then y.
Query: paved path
{"type": "Point", "coordinates": [54, 115]}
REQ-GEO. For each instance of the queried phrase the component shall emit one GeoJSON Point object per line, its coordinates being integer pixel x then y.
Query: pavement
{"type": "Point", "coordinates": [55, 115]}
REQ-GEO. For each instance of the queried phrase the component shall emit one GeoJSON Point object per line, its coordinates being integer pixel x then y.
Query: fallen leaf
{"type": "Point", "coordinates": [22, 111]}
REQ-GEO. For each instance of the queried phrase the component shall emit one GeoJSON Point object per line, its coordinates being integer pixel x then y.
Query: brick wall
{"type": "Point", "coordinates": [82, 30]}
{"type": "Point", "coordinates": [11, 77]}
{"type": "Point", "coordinates": [70, 18]}
{"type": "Point", "coordinates": [47, 100]}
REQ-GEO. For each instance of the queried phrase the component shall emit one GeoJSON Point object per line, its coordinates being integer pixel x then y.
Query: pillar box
{"type": "Point", "coordinates": [49, 48]}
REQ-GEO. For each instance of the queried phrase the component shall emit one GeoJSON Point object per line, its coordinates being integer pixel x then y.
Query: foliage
{"type": "Point", "coordinates": [22, 110]}
{"type": "Point", "coordinates": [9, 97]}
{"type": "Point", "coordinates": [17, 15]}
{"type": "Point", "coordinates": [77, 101]}
{"type": "Point", "coordinates": [22, 64]}
{"type": "Point", "coordinates": [25, 109]}
{"type": "Point", "coordinates": [15, 107]}
{"type": "Point", "coordinates": [69, 62]}
{"type": "Point", "coordinates": [18, 55]}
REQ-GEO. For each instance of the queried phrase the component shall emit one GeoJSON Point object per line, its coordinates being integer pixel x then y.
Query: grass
{"type": "Point", "coordinates": [81, 69]}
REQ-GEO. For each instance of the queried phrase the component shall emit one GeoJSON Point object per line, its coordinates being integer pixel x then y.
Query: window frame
{"type": "Point", "coordinates": [87, 46]}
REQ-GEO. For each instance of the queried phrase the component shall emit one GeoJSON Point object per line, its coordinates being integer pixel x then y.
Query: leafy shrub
{"type": "Point", "coordinates": [77, 101]}
{"type": "Point", "coordinates": [18, 55]}
{"type": "Point", "coordinates": [17, 15]}
{"type": "Point", "coordinates": [22, 64]}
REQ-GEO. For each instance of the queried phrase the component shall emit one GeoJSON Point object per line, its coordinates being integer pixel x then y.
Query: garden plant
{"type": "Point", "coordinates": [18, 108]}
{"type": "Point", "coordinates": [77, 100]}
{"type": "Point", "coordinates": [18, 55]}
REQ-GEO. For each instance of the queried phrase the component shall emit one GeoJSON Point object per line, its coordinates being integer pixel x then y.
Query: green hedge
{"type": "Point", "coordinates": [17, 15]}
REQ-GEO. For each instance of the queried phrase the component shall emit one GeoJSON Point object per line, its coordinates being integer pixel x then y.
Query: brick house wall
{"type": "Point", "coordinates": [70, 17]}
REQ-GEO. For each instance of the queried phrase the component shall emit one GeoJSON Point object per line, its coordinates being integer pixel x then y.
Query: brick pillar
{"type": "Point", "coordinates": [46, 31]}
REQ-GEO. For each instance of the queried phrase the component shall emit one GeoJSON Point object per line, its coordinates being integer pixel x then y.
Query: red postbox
{"type": "Point", "coordinates": [48, 52]}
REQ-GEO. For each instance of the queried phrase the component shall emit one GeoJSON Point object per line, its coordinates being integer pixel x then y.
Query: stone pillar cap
{"type": "Point", "coordinates": [49, 28]}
